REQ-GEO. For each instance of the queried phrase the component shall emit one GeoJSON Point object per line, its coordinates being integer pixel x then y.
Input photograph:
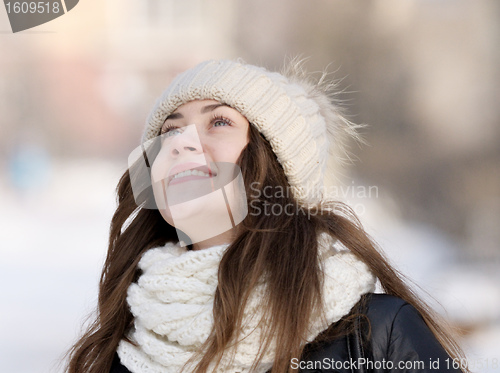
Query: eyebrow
{"type": "Point", "coordinates": [203, 110]}
{"type": "Point", "coordinates": [212, 107]}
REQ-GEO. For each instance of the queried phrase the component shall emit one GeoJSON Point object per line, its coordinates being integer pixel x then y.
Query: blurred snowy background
{"type": "Point", "coordinates": [74, 94]}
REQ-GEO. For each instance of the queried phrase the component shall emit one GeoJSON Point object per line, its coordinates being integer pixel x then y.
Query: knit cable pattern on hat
{"type": "Point", "coordinates": [298, 118]}
{"type": "Point", "coordinates": [173, 299]}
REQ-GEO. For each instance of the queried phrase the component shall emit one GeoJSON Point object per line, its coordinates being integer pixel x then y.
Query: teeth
{"type": "Point", "coordinates": [191, 172]}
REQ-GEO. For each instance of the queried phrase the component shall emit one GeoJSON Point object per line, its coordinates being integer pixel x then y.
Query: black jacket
{"type": "Point", "coordinates": [399, 341]}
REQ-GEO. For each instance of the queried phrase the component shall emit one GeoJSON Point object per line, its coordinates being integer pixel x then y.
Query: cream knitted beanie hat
{"type": "Point", "coordinates": [297, 117]}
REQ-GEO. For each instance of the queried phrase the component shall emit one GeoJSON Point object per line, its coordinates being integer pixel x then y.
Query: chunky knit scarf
{"type": "Point", "coordinates": [173, 299]}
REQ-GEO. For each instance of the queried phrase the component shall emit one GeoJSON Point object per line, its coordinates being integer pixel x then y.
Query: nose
{"type": "Point", "coordinates": [187, 141]}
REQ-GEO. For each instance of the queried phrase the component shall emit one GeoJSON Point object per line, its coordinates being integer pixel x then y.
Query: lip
{"type": "Point", "coordinates": [188, 166]}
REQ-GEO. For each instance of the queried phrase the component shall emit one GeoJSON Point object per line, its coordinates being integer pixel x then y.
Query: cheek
{"type": "Point", "coordinates": [230, 151]}
{"type": "Point", "coordinates": [238, 148]}
{"type": "Point", "coordinates": [161, 165]}
{"type": "Point", "coordinates": [159, 170]}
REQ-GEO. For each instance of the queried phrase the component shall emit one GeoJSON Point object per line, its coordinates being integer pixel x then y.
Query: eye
{"type": "Point", "coordinates": [170, 131]}
{"type": "Point", "coordinates": [219, 121]}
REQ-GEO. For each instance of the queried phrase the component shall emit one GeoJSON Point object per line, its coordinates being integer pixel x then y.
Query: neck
{"type": "Point", "coordinates": [224, 238]}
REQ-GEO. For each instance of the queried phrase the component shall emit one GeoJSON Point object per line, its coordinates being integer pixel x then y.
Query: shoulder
{"type": "Point", "coordinates": [394, 321]}
{"type": "Point", "coordinates": [375, 315]}
{"type": "Point", "coordinates": [117, 366]}
{"type": "Point", "coordinates": [382, 310]}
{"type": "Point", "coordinates": [401, 335]}
{"type": "Point", "coordinates": [391, 330]}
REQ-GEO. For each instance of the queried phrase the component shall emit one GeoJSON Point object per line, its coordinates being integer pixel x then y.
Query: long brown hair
{"type": "Point", "coordinates": [282, 248]}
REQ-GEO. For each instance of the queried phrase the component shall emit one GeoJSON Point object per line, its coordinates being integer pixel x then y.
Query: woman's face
{"type": "Point", "coordinates": [199, 140]}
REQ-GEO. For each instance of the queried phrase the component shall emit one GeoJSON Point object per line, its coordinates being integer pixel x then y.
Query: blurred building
{"type": "Point", "coordinates": [89, 88]}
{"type": "Point", "coordinates": [424, 76]}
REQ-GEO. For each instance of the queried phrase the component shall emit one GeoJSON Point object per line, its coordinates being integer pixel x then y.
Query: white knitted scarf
{"type": "Point", "coordinates": [173, 300]}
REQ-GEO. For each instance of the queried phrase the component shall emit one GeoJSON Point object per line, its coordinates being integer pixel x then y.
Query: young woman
{"type": "Point", "coordinates": [227, 253]}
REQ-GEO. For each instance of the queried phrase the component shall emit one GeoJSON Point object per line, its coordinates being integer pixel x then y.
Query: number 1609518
{"type": "Point", "coordinates": [32, 7]}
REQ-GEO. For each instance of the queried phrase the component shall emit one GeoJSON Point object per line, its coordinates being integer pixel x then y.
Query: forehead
{"type": "Point", "coordinates": [195, 105]}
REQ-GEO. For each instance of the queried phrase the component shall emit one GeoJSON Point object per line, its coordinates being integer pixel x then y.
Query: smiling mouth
{"type": "Point", "coordinates": [197, 173]}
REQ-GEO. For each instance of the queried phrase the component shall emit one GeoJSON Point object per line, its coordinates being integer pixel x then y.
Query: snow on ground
{"type": "Point", "coordinates": [53, 245]}
{"type": "Point", "coordinates": [54, 241]}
